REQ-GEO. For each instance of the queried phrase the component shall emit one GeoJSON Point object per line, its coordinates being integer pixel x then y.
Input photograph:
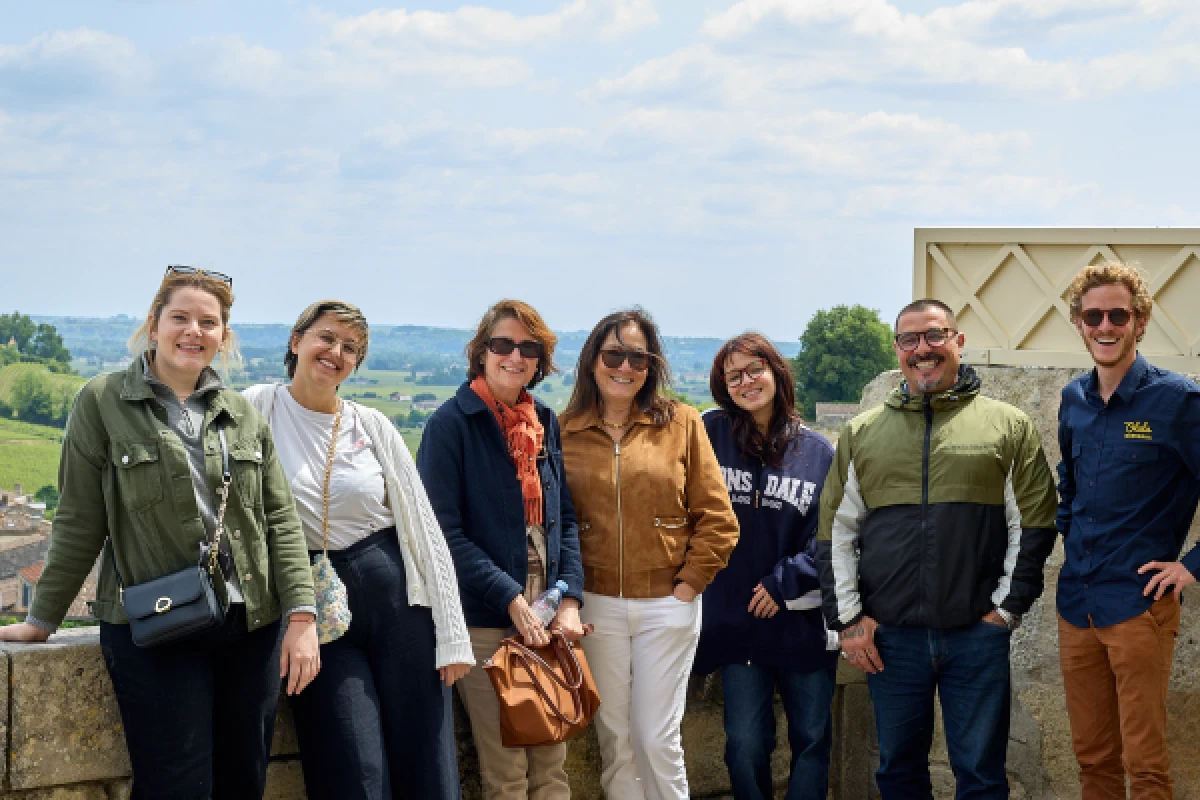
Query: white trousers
{"type": "Point", "coordinates": [641, 654]}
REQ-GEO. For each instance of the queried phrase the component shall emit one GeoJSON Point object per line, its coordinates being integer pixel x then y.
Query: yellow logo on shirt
{"type": "Point", "coordinates": [1138, 430]}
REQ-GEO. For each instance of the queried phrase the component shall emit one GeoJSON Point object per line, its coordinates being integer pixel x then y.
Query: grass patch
{"type": "Point", "coordinates": [68, 384]}
{"type": "Point", "coordinates": [29, 454]}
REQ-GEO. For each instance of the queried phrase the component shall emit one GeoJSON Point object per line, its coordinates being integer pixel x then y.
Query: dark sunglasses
{"type": "Point", "coordinates": [934, 337]}
{"type": "Point", "coordinates": [638, 360]}
{"type": "Point", "coordinates": [503, 346]}
{"type": "Point", "coordinates": [180, 269]}
{"type": "Point", "coordinates": [1094, 317]}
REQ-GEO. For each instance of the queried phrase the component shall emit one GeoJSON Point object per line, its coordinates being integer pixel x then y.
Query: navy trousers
{"type": "Point", "coordinates": [377, 723]}
{"type": "Point", "coordinates": [198, 714]}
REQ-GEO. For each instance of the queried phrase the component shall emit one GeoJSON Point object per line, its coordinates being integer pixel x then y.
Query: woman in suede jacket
{"type": "Point", "coordinates": [655, 527]}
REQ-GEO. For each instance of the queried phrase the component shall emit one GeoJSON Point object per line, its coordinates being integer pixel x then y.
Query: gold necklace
{"type": "Point", "coordinates": [614, 425]}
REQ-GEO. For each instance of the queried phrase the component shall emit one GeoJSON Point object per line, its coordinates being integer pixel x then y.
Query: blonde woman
{"type": "Point", "coordinates": [141, 465]}
{"type": "Point", "coordinates": [377, 721]}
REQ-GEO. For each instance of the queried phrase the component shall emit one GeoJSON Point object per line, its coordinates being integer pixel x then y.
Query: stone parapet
{"type": "Point", "coordinates": [63, 738]}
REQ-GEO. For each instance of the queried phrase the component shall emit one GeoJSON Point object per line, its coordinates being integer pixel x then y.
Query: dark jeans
{"type": "Point", "coordinates": [750, 729]}
{"type": "Point", "coordinates": [968, 668]}
{"type": "Point", "coordinates": [377, 722]}
{"type": "Point", "coordinates": [198, 714]}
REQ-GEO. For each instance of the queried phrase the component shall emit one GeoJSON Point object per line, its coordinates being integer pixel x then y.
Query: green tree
{"type": "Point", "coordinates": [841, 350]}
{"type": "Point", "coordinates": [33, 397]}
{"type": "Point", "coordinates": [47, 344]}
{"type": "Point", "coordinates": [42, 342]}
{"type": "Point", "coordinates": [48, 495]}
{"type": "Point", "coordinates": [17, 327]}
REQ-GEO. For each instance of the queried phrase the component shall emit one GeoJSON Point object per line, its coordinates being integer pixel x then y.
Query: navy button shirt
{"type": "Point", "coordinates": [1128, 487]}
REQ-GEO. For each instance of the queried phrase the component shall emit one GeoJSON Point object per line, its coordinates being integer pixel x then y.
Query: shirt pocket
{"type": "Point", "coordinates": [1132, 472]}
{"type": "Point", "coordinates": [139, 474]}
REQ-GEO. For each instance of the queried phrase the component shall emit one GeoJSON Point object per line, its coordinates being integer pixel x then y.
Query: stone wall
{"type": "Point", "coordinates": [63, 739]}
{"type": "Point", "coordinates": [1041, 763]}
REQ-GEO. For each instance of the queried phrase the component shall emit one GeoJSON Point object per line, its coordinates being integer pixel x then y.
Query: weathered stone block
{"type": "Point", "coordinates": [87, 791]}
{"type": "Point", "coordinates": [285, 781]}
{"type": "Point", "coordinates": [64, 725]}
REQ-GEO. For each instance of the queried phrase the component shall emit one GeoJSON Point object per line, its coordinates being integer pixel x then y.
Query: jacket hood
{"type": "Point", "coordinates": [965, 389]}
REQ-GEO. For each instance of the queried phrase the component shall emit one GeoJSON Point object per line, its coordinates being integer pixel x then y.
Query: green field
{"type": "Point", "coordinates": [28, 455]}
{"type": "Point", "coordinates": [68, 384]}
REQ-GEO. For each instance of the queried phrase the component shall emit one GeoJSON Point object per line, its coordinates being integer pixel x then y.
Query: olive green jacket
{"type": "Point", "coordinates": [125, 487]}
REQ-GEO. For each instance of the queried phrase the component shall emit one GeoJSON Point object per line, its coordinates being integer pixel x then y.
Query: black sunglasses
{"type": "Point", "coordinates": [503, 346]}
{"type": "Point", "coordinates": [638, 360]}
{"type": "Point", "coordinates": [1094, 317]}
{"type": "Point", "coordinates": [180, 269]}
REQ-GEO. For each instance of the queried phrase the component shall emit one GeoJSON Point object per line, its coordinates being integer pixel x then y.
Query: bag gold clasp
{"type": "Point", "coordinates": [162, 605]}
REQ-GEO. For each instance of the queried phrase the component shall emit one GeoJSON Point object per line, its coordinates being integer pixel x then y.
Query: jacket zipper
{"type": "Point", "coordinates": [620, 523]}
{"type": "Point", "coordinates": [928, 409]}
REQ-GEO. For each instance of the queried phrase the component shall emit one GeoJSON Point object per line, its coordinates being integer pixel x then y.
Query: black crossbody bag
{"type": "Point", "coordinates": [184, 603]}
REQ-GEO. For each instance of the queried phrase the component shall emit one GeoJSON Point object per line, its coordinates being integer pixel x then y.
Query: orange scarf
{"type": "Point", "coordinates": [523, 433]}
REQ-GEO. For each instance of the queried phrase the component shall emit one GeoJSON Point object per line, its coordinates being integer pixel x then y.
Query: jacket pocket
{"type": "Point", "coordinates": [139, 474]}
{"type": "Point", "coordinates": [245, 462]}
{"type": "Point", "coordinates": [673, 534]}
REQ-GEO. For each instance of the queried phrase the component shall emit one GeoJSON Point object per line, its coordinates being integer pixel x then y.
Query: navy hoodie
{"type": "Point", "coordinates": [777, 510]}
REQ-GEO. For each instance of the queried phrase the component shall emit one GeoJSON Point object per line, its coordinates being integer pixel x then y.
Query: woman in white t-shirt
{"type": "Point", "coordinates": [377, 721]}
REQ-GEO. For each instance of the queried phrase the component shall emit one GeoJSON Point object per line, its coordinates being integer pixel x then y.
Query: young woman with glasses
{"type": "Point", "coordinates": [377, 722]}
{"type": "Point", "coordinates": [655, 526]}
{"type": "Point", "coordinates": [762, 614]}
{"type": "Point", "coordinates": [492, 462]}
{"type": "Point", "coordinates": [140, 482]}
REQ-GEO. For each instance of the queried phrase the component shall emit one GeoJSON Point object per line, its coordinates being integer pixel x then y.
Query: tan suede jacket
{"type": "Point", "coordinates": [653, 510]}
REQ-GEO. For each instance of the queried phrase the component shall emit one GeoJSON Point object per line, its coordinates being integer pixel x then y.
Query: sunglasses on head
{"type": "Point", "coordinates": [1094, 317]}
{"type": "Point", "coordinates": [180, 269]}
{"type": "Point", "coordinates": [503, 346]}
{"type": "Point", "coordinates": [638, 360]}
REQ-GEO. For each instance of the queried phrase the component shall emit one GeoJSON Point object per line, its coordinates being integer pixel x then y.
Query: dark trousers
{"type": "Point", "coordinates": [750, 729]}
{"type": "Point", "coordinates": [377, 721]}
{"type": "Point", "coordinates": [968, 669]}
{"type": "Point", "coordinates": [198, 714]}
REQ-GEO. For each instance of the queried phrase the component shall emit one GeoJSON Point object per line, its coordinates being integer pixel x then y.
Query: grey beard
{"type": "Point", "coordinates": [927, 386]}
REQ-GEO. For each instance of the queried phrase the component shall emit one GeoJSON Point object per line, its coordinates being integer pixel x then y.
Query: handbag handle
{"type": "Point", "coordinates": [525, 655]}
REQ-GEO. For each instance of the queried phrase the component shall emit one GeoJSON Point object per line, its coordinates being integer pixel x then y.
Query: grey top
{"type": "Point", "coordinates": [186, 419]}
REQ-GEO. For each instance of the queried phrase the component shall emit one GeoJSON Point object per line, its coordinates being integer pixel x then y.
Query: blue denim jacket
{"type": "Point", "coordinates": [473, 487]}
{"type": "Point", "coordinates": [1128, 487]}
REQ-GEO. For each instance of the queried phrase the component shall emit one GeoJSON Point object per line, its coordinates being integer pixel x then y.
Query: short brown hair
{"type": "Point", "coordinates": [651, 398]}
{"type": "Point", "coordinates": [139, 342]}
{"type": "Point", "coordinates": [341, 311]}
{"type": "Point", "coordinates": [533, 322]}
{"type": "Point", "coordinates": [1108, 273]}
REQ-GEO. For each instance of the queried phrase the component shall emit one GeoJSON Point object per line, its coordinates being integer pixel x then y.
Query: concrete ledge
{"type": "Point", "coordinates": [64, 739]}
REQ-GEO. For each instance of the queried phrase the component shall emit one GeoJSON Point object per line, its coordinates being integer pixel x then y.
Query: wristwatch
{"type": "Point", "coordinates": [1013, 621]}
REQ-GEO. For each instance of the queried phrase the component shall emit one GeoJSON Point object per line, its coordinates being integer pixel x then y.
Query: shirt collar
{"type": "Point", "coordinates": [209, 379]}
{"type": "Point", "coordinates": [1128, 385]}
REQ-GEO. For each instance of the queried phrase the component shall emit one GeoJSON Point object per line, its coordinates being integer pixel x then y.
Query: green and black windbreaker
{"type": "Point", "coordinates": [937, 508]}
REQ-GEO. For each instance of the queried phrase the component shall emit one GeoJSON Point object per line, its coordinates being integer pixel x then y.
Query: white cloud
{"type": "Point", "coordinates": [70, 62]}
{"type": "Point", "coordinates": [477, 28]}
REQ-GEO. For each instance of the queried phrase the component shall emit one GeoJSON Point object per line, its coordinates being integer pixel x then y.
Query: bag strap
{"type": "Point", "coordinates": [337, 425]}
{"type": "Point", "coordinates": [222, 491]}
{"type": "Point", "coordinates": [558, 645]}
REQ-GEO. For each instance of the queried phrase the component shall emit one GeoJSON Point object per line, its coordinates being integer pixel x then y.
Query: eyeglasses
{"type": "Point", "coordinates": [934, 337]}
{"type": "Point", "coordinates": [1094, 317]}
{"type": "Point", "coordinates": [751, 371]}
{"type": "Point", "coordinates": [503, 346]}
{"type": "Point", "coordinates": [638, 360]}
{"type": "Point", "coordinates": [350, 347]}
{"type": "Point", "coordinates": [180, 269]}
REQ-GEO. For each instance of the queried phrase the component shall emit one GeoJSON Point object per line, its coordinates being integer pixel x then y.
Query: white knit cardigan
{"type": "Point", "coordinates": [427, 563]}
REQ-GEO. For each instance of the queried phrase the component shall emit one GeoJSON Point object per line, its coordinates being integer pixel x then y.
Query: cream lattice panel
{"type": "Point", "coordinates": [1006, 285]}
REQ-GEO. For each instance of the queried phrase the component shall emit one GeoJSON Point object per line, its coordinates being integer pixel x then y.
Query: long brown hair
{"type": "Point", "coordinates": [785, 420]}
{"type": "Point", "coordinates": [585, 397]}
{"type": "Point", "coordinates": [528, 316]}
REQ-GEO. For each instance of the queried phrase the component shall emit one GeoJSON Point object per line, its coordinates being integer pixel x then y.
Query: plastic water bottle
{"type": "Point", "coordinates": [546, 606]}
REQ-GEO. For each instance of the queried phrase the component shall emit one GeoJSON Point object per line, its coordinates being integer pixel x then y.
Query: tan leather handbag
{"type": "Point", "coordinates": [546, 693]}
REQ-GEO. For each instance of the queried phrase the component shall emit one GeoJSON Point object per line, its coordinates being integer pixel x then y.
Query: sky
{"type": "Point", "coordinates": [726, 165]}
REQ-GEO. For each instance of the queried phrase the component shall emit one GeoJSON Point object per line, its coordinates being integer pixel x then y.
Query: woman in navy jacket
{"type": "Point", "coordinates": [762, 620]}
{"type": "Point", "coordinates": [491, 462]}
